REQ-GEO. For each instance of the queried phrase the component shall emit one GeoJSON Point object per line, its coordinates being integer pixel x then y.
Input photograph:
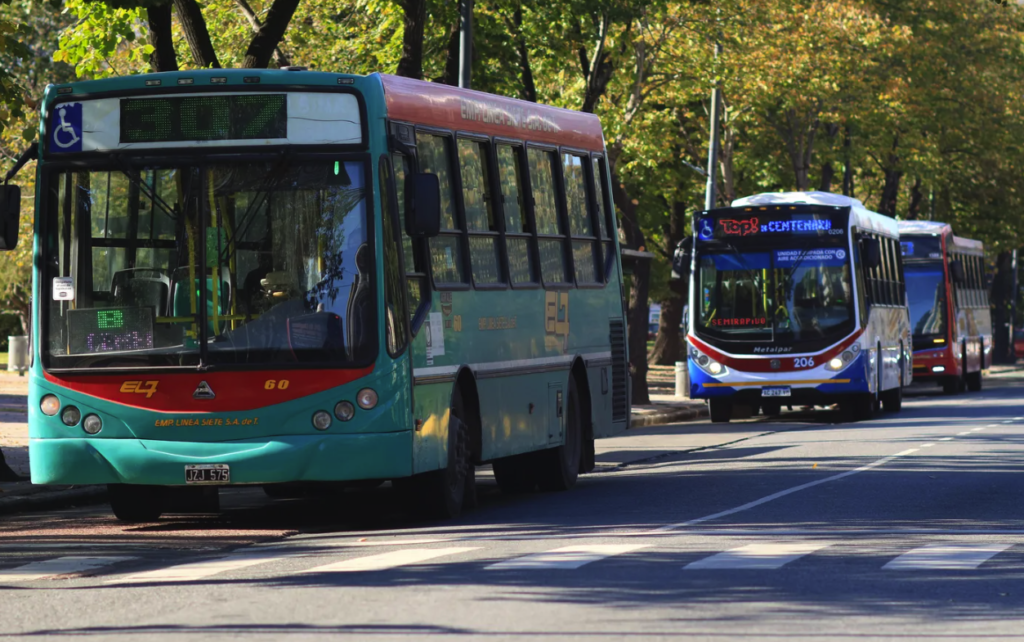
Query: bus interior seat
{"type": "Point", "coordinates": [179, 301]}
{"type": "Point", "coordinates": [141, 287]}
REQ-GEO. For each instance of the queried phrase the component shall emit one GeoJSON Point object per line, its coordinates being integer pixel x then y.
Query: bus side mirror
{"type": "Point", "coordinates": [871, 252]}
{"type": "Point", "coordinates": [422, 205]}
{"type": "Point", "coordinates": [956, 271]}
{"type": "Point", "coordinates": [10, 216]}
{"type": "Point", "coordinates": [681, 260]}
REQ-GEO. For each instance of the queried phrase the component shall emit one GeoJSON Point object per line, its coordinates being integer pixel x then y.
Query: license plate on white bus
{"type": "Point", "coordinates": [207, 474]}
{"type": "Point", "coordinates": [775, 391]}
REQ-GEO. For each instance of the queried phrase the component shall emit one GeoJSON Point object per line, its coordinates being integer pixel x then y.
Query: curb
{"type": "Point", "coordinates": [664, 417]}
{"type": "Point", "coordinates": [52, 499]}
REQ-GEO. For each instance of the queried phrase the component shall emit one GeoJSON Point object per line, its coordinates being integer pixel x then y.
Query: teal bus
{"type": "Point", "coordinates": [288, 278]}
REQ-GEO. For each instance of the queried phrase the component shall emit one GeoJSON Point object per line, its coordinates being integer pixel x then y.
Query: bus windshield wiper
{"type": "Point", "coordinates": [261, 195]}
{"type": "Point", "coordinates": [143, 187]}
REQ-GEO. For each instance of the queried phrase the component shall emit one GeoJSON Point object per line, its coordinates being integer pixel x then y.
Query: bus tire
{"type": "Point", "coordinates": [860, 407]}
{"type": "Point", "coordinates": [515, 474]}
{"type": "Point", "coordinates": [892, 400]}
{"type": "Point", "coordinates": [974, 381]}
{"type": "Point", "coordinates": [136, 503]}
{"type": "Point", "coordinates": [950, 385]}
{"type": "Point", "coordinates": [560, 467]}
{"type": "Point", "coordinates": [720, 410]}
{"type": "Point", "coordinates": [441, 494]}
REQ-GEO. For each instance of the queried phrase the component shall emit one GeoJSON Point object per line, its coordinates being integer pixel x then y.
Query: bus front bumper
{"type": "Point", "coordinates": [260, 461]}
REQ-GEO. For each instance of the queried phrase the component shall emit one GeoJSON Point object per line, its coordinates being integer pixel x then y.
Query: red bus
{"type": "Point", "coordinates": [949, 308]}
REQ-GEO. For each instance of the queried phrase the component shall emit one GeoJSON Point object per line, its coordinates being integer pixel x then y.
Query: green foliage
{"type": "Point", "coordinates": [102, 32]}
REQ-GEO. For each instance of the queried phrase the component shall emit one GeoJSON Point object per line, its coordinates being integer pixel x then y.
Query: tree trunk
{"type": "Point", "coordinates": [891, 187]}
{"type": "Point", "coordinates": [668, 345]}
{"type": "Point", "coordinates": [451, 62]}
{"type": "Point", "coordinates": [163, 57]}
{"type": "Point", "coordinates": [827, 174]}
{"type": "Point", "coordinates": [916, 198]}
{"type": "Point", "coordinates": [597, 67]}
{"type": "Point", "coordinates": [847, 162]}
{"type": "Point", "coordinates": [638, 311]}
{"type": "Point", "coordinates": [411, 63]}
{"type": "Point", "coordinates": [193, 24]}
{"type": "Point", "coordinates": [262, 46]}
{"type": "Point", "coordinates": [726, 147]}
{"type": "Point", "coordinates": [1002, 305]}
{"type": "Point", "coordinates": [529, 89]}
{"type": "Point", "coordinates": [250, 15]}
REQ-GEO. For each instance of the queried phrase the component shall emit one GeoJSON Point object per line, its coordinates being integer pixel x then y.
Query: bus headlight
{"type": "Point", "coordinates": [321, 420]}
{"type": "Point", "coordinates": [92, 424]}
{"type": "Point", "coordinates": [344, 410]}
{"type": "Point", "coordinates": [50, 405]}
{"type": "Point", "coordinates": [71, 416]}
{"type": "Point", "coordinates": [838, 363]}
{"type": "Point", "coordinates": [706, 363]}
{"type": "Point", "coordinates": [366, 398]}
{"type": "Point", "coordinates": [715, 367]}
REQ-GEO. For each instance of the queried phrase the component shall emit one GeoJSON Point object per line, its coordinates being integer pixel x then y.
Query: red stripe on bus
{"type": "Point", "coordinates": [234, 391]}
{"type": "Point", "coordinates": [762, 363]}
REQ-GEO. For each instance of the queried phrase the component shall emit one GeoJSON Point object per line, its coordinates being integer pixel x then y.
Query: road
{"type": "Point", "coordinates": [905, 527]}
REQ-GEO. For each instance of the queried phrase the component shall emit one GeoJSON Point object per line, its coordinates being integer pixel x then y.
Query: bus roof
{"type": "Point", "coordinates": [860, 216]}
{"type": "Point", "coordinates": [910, 228]}
{"type": "Point", "coordinates": [437, 105]}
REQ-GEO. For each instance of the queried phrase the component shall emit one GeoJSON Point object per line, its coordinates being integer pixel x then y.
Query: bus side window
{"type": "Point", "coordinates": [550, 239]}
{"type": "Point", "coordinates": [522, 266]}
{"type": "Point", "coordinates": [895, 297]}
{"type": "Point", "coordinates": [435, 157]}
{"type": "Point", "coordinates": [395, 318]}
{"type": "Point", "coordinates": [604, 217]}
{"type": "Point", "coordinates": [585, 250]}
{"type": "Point", "coordinates": [979, 296]}
{"type": "Point", "coordinates": [478, 206]}
{"type": "Point", "coordinates": [412, 249]}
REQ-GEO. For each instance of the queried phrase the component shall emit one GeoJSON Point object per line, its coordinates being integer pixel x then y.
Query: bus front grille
{"type": "Point", "coordinates": [617, 332]}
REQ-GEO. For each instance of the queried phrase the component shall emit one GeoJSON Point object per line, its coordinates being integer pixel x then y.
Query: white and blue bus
{"type": "Point", "coordinates": [797, 299]}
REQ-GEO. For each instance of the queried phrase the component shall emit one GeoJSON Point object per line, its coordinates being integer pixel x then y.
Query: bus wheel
{"type": "Point", "coordinates": [892, 400]}
{"type": "Point", "coordinates": [134, 503]}
{"type": "Point", "coordinates": [721, 410]}
{"type": "Point", "coordinates": [860, 407]}
{"type": "Point", "coordinates": [442, 493]}
{"type": "Point", "coordinates": [560, 467]}
{"type": "Point", "coordinates": [973, 379]}
{"type": "Point", "coordinates": [950, 385]}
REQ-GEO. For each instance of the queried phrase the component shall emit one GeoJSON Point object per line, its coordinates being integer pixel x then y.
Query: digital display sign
{"type": "Point", "coordinates": [97, 330]}
{"type": "Point", "coordinates": [921, 247]}
{"type": "Point", "coordinates": [743, 223]}
{"type": "Point", "coordinates": [187, 118]}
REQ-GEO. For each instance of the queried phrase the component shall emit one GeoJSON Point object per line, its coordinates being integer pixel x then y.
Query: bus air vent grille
{"type": "Point", "coordinates": [617, 331]}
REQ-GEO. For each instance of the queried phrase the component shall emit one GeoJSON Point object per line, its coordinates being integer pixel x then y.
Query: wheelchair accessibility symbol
{"type": "Point", "coordinates": [706, 229]}
{"type": "Point", "coordinates": [67, 128]}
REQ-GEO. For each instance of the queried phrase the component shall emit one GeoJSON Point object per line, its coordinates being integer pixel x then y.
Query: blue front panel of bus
{"type": "Point", "coordinates": [855, 373]}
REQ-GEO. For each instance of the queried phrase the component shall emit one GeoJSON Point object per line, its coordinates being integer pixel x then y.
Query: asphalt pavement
{"type": "Point", "coordinates": [905, 527]}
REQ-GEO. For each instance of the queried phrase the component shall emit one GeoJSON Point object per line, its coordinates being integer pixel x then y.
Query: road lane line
{"type": "Point", "coordinates": [58, 566]}
{"type": "Point", "coordinates": [385, 561]}
{"type": "Point", "coordinates": [196, 570]}
{"type": "Point", "coordinates": [961, 434]}
{"type": "Point", "coordinates": [567, 557]}
{"type": "Point", "coordinates": [946, 439]}
{"type": "Point", "coordinates": [927, 445]}
{"type": "Point", "coordinates": [978, 429]}
{"type": "Point", "coordinates": [783, 493]}
{"type": "Point", "coordinates": [757, 556]}
{"type": "Point", "coordinates": [946, 556]}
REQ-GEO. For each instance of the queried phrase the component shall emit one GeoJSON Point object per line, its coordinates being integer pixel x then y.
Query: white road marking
{"type": "Point", "coordinates": [567, 557]}
{"type": "Point", "coordinates": [757, 556]}
{"type": "Point", "coordinates": [197, 570]}
{"type": "Point", "coordinates": [978, 429]}
{"type": "Point", "coordinates": [927, 445]}
{"type": "Point", "coordinates": [57, 566]}
{"type": "Point", "coordinates": [991, 425]}
{"type": "Point", "coordinates": [385, 561]}
{"type": "Point", "coordinates": [294, 544]}
{"type": "Point", "coordinates": [1008, 422]}
{"type": "Point", "coordinates": [961, 434]}
{"type": "Point", "coordinates": [783, 493]}
{"type": "Point", "coordinates": [1018, 418]}
{"type": "Point", "coordinates": [946, 439]}
{"type": "Point", "coordinates": [946, 556]}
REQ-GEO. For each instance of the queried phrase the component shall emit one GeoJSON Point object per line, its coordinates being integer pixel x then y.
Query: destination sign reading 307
{"type": "Point", "coordinates": [770, 223]}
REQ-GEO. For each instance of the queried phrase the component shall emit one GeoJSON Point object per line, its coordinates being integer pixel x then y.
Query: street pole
{"type": "Point", "coordinates": [709, 194]}
{"type": "Point", "coordinates": [465, 43]}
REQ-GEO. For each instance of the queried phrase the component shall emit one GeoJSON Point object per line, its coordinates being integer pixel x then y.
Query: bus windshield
{"type": "Point", "coordinates": [926, 294]}
{"type": "Point", "coordinates": [775, 295]}
{"type": "Point", "coordinates": [178, 265]}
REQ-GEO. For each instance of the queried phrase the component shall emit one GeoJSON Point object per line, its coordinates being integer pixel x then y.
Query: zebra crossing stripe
{"type": "Point", "coordinates": [58, 566]}
{"type": "Point", "coordinates": [196, 570]}
{"type": "Point", "coordinates": [762, 556]}
{"type": "Point", "coordinates": [385, 561]}
{"type": "Point", "coordinates": [946, 556]}
{"type": "Point", "coordinates": [567, 557]}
